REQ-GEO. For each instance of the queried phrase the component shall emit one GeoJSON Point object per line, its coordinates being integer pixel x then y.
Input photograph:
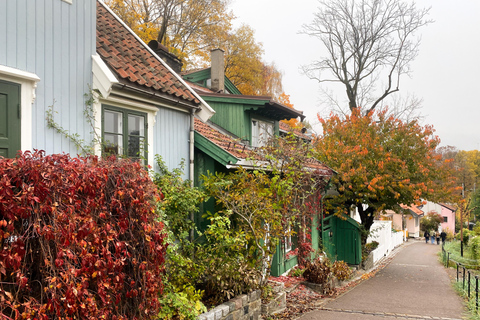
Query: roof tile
{"type": "Point", "coordinates": [242, 151]}
{"type": "Point", "coordinates": [129, 59]}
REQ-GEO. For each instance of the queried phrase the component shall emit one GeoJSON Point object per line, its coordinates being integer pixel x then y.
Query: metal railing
{"type": "Point", "coordinates": [468, 278]}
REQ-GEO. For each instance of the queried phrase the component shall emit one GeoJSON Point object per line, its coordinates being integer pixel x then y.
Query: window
{"type": "Point", "coordinates": [261, 132]}
{"type": "Point", "coordinates": [124, 132]}
{"type": "Point", "coordinates": [288, 240]}
{"type": "Point", "coordinates": [445, 219]}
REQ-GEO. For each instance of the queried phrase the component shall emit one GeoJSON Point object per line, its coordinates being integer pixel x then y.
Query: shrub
{"type": "Point", "coordinates": [368, 248]}
{"type": "Point", "coordinates": [341, 270]}
{"type": "Point", "coordinates": [304, 252]}
{"type": "Point", "coordinates": [475, 248]}
{"type": "Point", "coordinates": [185, 304]}
{"type": "Point", "coordinates": [79, 238]}
{"type": "Point", "coordinates": [296, 272]}
{"type": "Point", "coordinates": [228, 271]}
{"type": "Point", "coordinates": [466, 236]}
{"type": "Point", "coordinates": [318, 271]}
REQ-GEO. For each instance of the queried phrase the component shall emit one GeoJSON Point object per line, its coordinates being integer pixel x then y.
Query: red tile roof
{"type": "Point", "coordinates": [131, 61]}
{"type": "Point", "coordinates": [224, 141]}
{"type": "Point", "coordinates": [286, 128]}
{"type": "Point", "coordinates": [449, 207]}
{"type": "Point", "coordinates": [413, 208]}
{"type": "Point", "coordinates": [242, 151]}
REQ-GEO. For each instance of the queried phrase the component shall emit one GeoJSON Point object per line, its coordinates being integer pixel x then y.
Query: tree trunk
{"type": "Point", "coordinates": [367, 216]}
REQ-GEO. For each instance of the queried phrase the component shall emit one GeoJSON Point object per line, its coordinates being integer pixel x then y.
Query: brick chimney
{"type": "Point", "coordinates": [171, 59]}
{"type": "Point", "coordinates": [217, 70]}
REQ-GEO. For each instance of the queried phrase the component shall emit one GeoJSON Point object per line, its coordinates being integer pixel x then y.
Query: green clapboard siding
{"type": "Point", "coordinates": [9, 119]}
{"type": "Point", "coordinates": [341, 239]}
{"type": "Point", "coordinates": [280, 264]}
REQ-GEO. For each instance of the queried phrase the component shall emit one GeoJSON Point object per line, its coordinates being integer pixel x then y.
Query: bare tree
{"type": "Point", "coordinates": [366, 40]}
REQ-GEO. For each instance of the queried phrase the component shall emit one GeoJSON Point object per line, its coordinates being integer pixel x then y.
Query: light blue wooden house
{"type": "Point", "coordinates": [58, 52]}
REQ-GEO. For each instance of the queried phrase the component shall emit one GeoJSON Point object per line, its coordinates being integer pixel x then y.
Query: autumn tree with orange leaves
{"type": "Point", "coordinates": [190, 29]}
{"type": "Point", "coordinates": [381, 162]}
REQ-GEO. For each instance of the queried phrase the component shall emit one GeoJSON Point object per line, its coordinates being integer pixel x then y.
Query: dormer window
{"type": "Point", "coordinates": [262, 131]}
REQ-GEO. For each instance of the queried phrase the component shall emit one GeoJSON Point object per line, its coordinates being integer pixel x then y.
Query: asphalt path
{"type": "Point", "coordinates": [414, 285]}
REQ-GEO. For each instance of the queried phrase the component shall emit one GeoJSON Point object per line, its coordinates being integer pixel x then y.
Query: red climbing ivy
{"type": "Point", "coordinates": [79, 239]}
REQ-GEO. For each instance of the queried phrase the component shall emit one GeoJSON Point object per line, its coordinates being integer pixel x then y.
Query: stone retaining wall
{"type": "Point", "coordinates": [244, 307]}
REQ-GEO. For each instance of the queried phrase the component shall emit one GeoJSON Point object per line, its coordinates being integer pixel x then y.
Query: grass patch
{"type": "Point", "coordinates": [472, 312]}
{"type": "Point", "coordinates": [468, 260]}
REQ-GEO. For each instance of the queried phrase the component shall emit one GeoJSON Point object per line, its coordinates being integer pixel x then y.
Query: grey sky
{"type": "Point", "coordinates": [445, 74]}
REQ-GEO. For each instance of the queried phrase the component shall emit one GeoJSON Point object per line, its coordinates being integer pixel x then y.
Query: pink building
{"type": "Point", "coordinates": [410, 220]}
{"type": "Point", "coordinates": [448, 214]}
{"type": "Point", "coordinates": [446, 211]}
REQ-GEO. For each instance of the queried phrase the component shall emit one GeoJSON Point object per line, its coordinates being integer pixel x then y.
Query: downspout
{"type": "Point", "coordinates": [191, 164]}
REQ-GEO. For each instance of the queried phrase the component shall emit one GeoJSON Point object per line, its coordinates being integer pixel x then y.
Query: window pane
{"type": "Point", "coordinates": [112, 121]}
{"type": "Point", "coordinates": [113, 143]}
{"type": "Point", "coordinates": [136, 135]}
{"type": "Point", "coordinates": [254, 133]}
{"type": "Point", "coordinates": [135, 145]}
{"type": "Point", "coordinates": [136, 125]}
{"type": "Point", "coordinates": [261, 132]}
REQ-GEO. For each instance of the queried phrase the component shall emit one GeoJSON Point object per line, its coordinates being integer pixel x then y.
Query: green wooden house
{"type": "Point", "coordinates": [240, 123]}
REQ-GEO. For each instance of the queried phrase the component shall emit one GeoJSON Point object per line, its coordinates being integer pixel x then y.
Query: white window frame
{"type": "Point", "coordinates": [288, 240]}
{"type": "Point", "coordinates": [28, 84]}
{"type": "Point", "coordinates": [257, 140]}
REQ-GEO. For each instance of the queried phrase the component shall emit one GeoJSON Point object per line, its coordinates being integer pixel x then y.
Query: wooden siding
{"type": "Point", "coordinates": [171, 138]}
{"type": "Point", "coordinates": [233, 118]}
{"type": "Point", "coordinates": [54, 40]}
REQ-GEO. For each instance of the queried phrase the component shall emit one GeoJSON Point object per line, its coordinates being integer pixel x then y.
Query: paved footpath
{"type": "Point", "coordinates": [414, 285]}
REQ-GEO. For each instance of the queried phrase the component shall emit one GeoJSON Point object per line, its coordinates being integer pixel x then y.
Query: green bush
{"type": "Point", "coordinates": [476, 228]}
{"type": "Point", "coordinates": [475, 247]}
{"type": "Point", "coordinates": [228, 272]}
{"type": "Point", "coordinates": [466, 236]}
{"type": "Point", "coordinates": [181, 299]}
{"type": "Point", "coordinates": [185, 304]}
{"type": "Point", "coordinates": [296, 272]}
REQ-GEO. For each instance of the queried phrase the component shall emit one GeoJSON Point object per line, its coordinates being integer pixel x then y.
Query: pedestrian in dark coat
{"type": "Point", "coordinates": [438, 238]}
{"type": "Point", "coordinates": [443, 235]}
{"type": "Point", "coordinates": [427, 236]}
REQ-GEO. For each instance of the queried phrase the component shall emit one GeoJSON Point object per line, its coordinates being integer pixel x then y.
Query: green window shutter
{"type": "Point", "coordinates": [10, 113]}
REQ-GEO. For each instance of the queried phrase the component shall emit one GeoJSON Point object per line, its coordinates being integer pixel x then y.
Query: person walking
{"type": "Point", "coordinates": [427, 236]}
{"type": "Point", "coordinates": [432, 238]}
{"type": "Point", "coordinates": [438, 238]}
{"type": "Point", "coordinates": [443, 235]}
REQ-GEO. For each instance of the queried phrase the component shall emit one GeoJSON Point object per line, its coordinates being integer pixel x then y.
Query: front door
{"type": "Point", "coordinates": [9, 119]}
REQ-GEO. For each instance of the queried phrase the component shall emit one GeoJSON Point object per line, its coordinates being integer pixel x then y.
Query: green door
{"type": "Point", "coordinates": [9, 119]}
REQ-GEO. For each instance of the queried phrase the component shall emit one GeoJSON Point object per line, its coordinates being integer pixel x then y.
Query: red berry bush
{"type": "Point", "coordinates": [79, 239]}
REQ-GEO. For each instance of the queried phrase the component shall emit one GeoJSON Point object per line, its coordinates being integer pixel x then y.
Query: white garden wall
{"type": "Point", "coordinates": [381, 231]}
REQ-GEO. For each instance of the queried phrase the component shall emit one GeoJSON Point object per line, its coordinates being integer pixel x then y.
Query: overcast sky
{"type": "Point", "coordinates": [446, 74]}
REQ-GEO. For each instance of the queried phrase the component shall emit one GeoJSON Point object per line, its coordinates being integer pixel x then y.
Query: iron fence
{"type": "Point", "coordinates": [469, 278]}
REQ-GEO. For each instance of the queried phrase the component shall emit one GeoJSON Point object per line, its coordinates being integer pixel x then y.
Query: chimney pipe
{"type": "Point", "coordinates": [217, 70]}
